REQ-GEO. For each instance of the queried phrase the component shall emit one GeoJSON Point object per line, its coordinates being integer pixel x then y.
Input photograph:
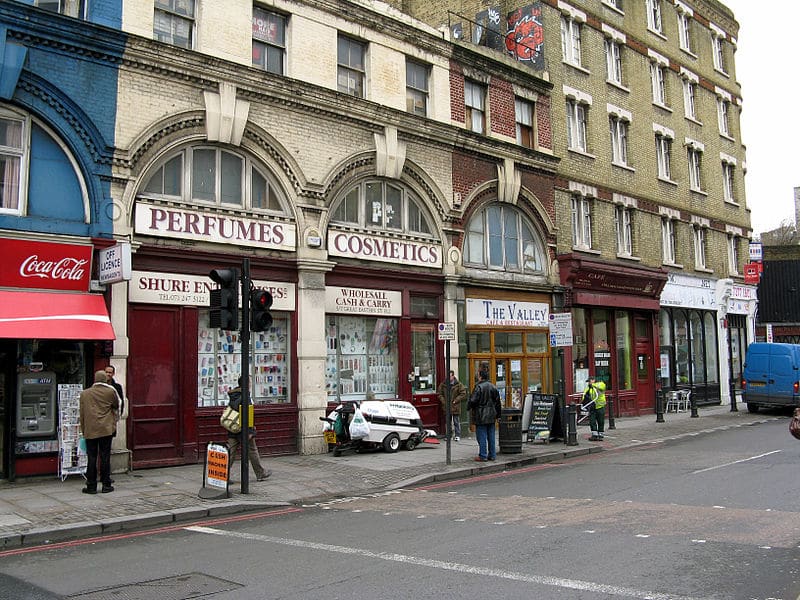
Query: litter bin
{"type": "Point", "coordinates": [511, 431]}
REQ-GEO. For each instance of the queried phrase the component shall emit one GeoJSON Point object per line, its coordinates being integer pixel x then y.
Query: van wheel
{"type": "Point", "coordinates": [391, 443]}
{"type": "Point", "coordinates": [753, 408]}
{"type": "Point", "coordinates": [411, 443]}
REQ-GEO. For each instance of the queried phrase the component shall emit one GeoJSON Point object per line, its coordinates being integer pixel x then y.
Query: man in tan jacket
{"type": "Point", "coordinates": [98, 418]}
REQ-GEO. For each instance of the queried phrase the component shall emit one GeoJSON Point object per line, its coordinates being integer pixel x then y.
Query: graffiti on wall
{"type": "Point", "coordinates": [525, 35]}
{"type": "Point", "coordinates": [487, 29]}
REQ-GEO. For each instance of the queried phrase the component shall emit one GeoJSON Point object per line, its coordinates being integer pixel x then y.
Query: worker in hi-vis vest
{"type": "Point", "coordinates": [594, 400]}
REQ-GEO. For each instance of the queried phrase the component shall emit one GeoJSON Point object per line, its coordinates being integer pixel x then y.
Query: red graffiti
{"type": "Point", "coordinates": [525, 35]}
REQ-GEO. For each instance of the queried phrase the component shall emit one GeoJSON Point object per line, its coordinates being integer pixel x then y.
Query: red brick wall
{"type": "Point", "coordinates": [501, 107]}
{"type": "Point", "coordinates": [457, 112]}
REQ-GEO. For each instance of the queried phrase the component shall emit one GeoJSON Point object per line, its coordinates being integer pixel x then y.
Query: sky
{"type": "Point", "coordinates": [766, 69]}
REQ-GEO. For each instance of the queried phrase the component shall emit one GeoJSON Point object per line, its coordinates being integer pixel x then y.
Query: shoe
{"type": "Point", "coordinates": [458, 439]}
{"type": "Point", "coordinates": [479, 459]}
{"type": "Point", "coordinates": [491, 458]}
{"type": "Point", "coordinates": [89, 490]}
{"type": "Point", "coordinates": [107, 489]}
{"type": "Point", "coordinates": [266, 474]}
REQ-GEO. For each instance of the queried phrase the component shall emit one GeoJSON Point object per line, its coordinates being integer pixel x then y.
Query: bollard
{"type": "Point", "coordinates": [572, 425]}
{"type": "Point", "coordinates": [611, 412]}
{"type": "Point", "coordinates": [693, 403]}
{"type": "Point", "coordinates": [734, 408]}
{"type": "Point", "coordinates": [660, 406]}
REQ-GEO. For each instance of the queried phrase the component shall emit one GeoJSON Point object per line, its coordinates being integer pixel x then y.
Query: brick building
{"type": "Point", "coordinates": [650, 207]}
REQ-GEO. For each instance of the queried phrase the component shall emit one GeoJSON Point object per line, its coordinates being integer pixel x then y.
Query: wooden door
{"type": "Point", "coordinates": [644, 364]}
{"type": "Point", "coordinates": [154, 387]}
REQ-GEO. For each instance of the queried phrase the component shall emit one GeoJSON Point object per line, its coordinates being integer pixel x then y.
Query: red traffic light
{"type": "Point", "coordinates": [260, 303]}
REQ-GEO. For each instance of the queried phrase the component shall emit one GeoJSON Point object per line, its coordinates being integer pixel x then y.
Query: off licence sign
{"type": "Point", "coordinates": [560, 326]}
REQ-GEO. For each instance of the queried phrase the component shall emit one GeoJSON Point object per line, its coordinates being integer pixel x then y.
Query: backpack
{"type": "Point", "coordinates": [231, 420]}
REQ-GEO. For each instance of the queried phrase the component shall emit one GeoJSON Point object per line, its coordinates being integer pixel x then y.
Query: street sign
{"type": "Point", "coordinates": [560, 326]}
{"type": "Point", "coordinates": [446, 331]}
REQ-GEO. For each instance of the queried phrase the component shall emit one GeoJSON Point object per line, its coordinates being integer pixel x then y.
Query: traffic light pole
{"type": "Point", "coordinates": [244, 337]}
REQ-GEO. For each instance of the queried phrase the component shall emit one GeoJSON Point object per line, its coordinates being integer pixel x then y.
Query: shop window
{"type": "Point", "coordinates": [380, 205]}
{"type": "Point", "coordinates": [601, 349]}
{"type": "Point", "coordinates": [12, 161]}
{"type": "Point", "coordinates": [681, 349]}
{"type": "Point", "coordinates": [580, 365]}
{"type": "Point", "coordinates": [712, 366]}
{"type": "Point", "coordinates": [269, 40]}
{"type": "Point", "coordinates": [500, 238]}
{"type": "Point", "coordinates": [622, 324]}
{"type": "Point", "coordinates": [425, 307]}
{"type": "Point", "coordinates": [423, 359]}
{"type": "Point", "coordinates": [665, 344]}
{"type": "Point", "coordinates": [219, 364]}
{"type": "Point", "coordinates": [507, 343]}
{"type": "Point", "coordinates": [362, 358]}
{"type": "Point", "coordinates": [207, 175]}
{"type": "Point", "coordinates": [479, 342]}
{"type": "Point", "coordinates": [537, 343]}
{"type": "Point", "coordinates": [174, 22]}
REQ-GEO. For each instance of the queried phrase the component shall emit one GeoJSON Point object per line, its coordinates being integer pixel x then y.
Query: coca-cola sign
{"type": "Point", "coordinates": [45, 265]}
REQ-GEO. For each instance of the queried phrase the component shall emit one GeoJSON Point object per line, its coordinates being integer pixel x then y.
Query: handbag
{"type": "Point", "coordinates": [231, 420]}
{"type": "Point", "coordinates": [794, 424]}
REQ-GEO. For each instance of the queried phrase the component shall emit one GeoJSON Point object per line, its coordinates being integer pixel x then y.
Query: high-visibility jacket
{"type": "Point", "coordinates": [597, 393]}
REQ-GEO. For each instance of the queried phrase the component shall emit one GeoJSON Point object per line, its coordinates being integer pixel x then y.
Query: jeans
{"type": "Point", "coordinates": [252, 454]}
{"type": "Point", "coordinates": [485, 435]}
{"type": "Point", "coordinates": [456, 424]}
{"type": "Point", "coordinates": [597, 420]}
{"type": "Point", "coordinates": [101, 446]}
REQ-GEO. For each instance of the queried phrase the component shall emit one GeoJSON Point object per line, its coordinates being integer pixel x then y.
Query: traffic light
{"type": "Point", "coordinates": [224, 304]}
{"type": "Point", "coordinates": [260, 303]}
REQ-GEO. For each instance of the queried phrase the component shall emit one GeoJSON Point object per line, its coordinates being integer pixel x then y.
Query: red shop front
{"type": "Point", "coordinates": [615, 330]}
{"type": "Point", "coordinates": [49, 329]}
{"type": "Point", "coordinates": [180, 369]}
{"type": "Point", "coordinates": [381, 338]}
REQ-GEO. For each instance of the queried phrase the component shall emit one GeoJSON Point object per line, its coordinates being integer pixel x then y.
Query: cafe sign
{"type": "Point", "coordinates": [507, 313]}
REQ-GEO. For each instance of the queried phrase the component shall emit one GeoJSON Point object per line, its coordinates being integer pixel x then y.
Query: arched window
{"type": "Point", "coordinates": [500, 238]}
{"type": "Point", "coordinates": [381, 205]}
{"type": "Point", "coordinates": [208, 175]}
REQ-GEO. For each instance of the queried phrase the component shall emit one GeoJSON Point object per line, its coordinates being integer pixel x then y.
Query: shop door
{"type": "Point", "coordinates": [645, 373]}
{"type": "Point", "coordinates": [154, 387]}
{"type": "Point", "coordinates": [512, 377]}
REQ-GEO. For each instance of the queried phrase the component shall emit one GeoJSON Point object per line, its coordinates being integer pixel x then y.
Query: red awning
{"type": "Point", "coordinates": [55, 316]}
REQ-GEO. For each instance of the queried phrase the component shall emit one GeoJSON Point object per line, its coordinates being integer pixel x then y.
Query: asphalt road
{"type": "Point", "coordinates": [707, 517]}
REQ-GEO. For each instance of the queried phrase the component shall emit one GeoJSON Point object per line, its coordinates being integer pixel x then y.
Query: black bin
{"type": "Point", "coordinates": [511, 431]}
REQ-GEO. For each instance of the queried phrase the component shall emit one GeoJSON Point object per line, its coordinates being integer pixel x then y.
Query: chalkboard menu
{"type": "Point", "coordinates": [543, 409]}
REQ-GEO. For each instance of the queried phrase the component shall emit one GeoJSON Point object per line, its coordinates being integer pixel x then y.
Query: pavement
{"type": "Point", "coordinates": [42, 510]}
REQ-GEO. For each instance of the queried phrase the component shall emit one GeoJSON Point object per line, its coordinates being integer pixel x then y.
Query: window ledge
{"type": "Point", "coordinates": [618, 85]}
{"type": "Point", "coordinates": [586, 250]}
{"type": "Point", "coordinates": [623, 166]}
{"type": "Point", "coordinates": [582, 153]}
{"type": "Point", "coordinates": [630, 257]}
{"type": "Point", "coordinates": [614, 8]}
{"type": "Point", "coordinates": [689, 52]}
{"type": "Point", "coordinates": [721, 72]}
{"type": "Point", "coordinates": [665, 180]}
{"type": "Point", "coordinates": [673, 265]}
{"type": "Point", "coordinates": [731, 202]}
{"type": "Point", "coordinates": [727, 136]}
{"type": "Point", "coordinates": [657, 33]}
{"type": "Point", "coordinates": [698, 192]}
{"type": "Point", "coordinates": [694, 120]}
{"type": "Point", "coordinates": [662, 106]}
{"type": "Point", "coordinates": [576, 66]}
{"type": "Point", "coordinates": [703, 269]}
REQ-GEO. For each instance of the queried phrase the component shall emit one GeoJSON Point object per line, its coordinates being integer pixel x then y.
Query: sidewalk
{"type": "Point", "coordinates": [40, 510]}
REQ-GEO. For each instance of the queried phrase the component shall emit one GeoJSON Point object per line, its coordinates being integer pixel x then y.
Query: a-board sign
{"type": "Point", "coordinates": [215, 474]}
{"type": "Point", "coordinates": [543, 408]}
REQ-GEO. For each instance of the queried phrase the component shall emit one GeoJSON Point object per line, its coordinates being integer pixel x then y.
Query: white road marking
{"type": "Point", "coordinates": [736, 462]}
{"type": "Point", "coordinates": [559, 582]}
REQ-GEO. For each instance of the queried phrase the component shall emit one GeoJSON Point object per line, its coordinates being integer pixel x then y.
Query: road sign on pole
{"type": "Point", "coordinates": [560, 326]}
{"type": "Point", "coordinates": [446, 331]}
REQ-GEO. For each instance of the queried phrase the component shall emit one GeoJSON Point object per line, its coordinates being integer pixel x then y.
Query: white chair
{"type": "Point", "coordinates": [686, 396]}
{"type": "Point", "coordinates": [674, 401]}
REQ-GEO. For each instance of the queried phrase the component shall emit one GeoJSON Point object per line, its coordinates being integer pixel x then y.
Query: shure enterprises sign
{"type": "Point", "coordinates": [220, 228]}
{"type": "Point", "coordinates": [384, 249]}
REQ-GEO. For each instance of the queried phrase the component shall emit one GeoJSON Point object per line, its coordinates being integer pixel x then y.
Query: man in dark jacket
{"type": "Point", "coordinates": [235, 402]}
{"type": "Point", "coordinates": [457, 393]}
{"type": "Point", "coordinates": [484, 406]}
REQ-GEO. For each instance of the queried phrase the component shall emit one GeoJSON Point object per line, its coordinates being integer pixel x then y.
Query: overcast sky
{"type": "Point", "coordinates": [766, 57]}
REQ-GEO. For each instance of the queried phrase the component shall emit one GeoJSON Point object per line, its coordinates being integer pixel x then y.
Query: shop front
{"type": "Point", "coordinates": [688, 337]}
{"type": "Point", "coordinates": [181, 369]}
{"type": "Point", "coordinates": [507, 335]}
{"type": "Point", "coordinates": [614, 314]}
{"type": "Point", "coordinates": [52, 332]}
{"type": "Point", "coordinates": [738, 329]}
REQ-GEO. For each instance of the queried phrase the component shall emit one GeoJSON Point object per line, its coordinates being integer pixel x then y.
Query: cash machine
{"type": "Point", "coordinates": [37, 414]}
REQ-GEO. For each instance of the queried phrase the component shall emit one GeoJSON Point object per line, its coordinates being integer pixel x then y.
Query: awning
{"type": "Point", "coordinates": [55, 316]}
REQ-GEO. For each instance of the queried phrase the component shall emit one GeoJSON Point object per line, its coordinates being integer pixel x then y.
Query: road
{"type": "Point", "coordinates": [708, 517]}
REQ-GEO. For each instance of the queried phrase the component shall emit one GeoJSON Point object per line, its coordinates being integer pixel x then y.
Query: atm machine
{"type": "Point", "coordinates": [37, 410]}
